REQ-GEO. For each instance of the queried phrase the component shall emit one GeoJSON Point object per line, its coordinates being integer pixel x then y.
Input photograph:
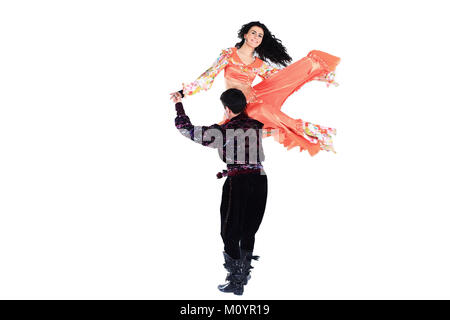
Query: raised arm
{"type": "Point", "coordinates": [206, 79]}
{"type": "Point", "coordinates": [209, 136]}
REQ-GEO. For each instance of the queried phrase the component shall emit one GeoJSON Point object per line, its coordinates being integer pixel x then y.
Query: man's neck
{"type": "Point", "coordinates": [233, 115]}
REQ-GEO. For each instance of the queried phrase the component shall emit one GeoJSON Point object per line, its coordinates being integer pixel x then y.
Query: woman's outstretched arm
{"type": "Point", "coordinates": [206, 79]}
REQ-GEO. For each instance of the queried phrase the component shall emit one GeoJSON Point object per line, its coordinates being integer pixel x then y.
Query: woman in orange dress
{"type": "Point", "coordinates": [267, 97]}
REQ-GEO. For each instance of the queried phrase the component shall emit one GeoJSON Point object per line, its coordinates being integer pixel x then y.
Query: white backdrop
{"type": "Point", "coordinates": [102, 198]}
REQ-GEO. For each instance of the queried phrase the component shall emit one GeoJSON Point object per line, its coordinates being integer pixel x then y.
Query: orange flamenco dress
{"type": "Point", "coordinates": [264, 100]}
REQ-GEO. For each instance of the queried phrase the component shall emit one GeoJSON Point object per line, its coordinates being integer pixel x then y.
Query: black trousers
{"type": "Point", "coordinates": [242, 209]}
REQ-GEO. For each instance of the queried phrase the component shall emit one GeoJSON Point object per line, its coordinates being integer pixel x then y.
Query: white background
{"type": "Point", "coordinates": [102, 198]}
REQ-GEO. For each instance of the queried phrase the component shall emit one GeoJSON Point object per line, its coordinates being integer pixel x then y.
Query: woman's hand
{"type": "Point", "coordinates": [175, 96]}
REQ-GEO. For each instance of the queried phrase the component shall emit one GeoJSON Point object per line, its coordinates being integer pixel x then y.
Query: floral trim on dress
{"type": "Point", "coordinates": [266, 70]}
{"type": "Point", "coordinates": [328, 77]}
{"type": "Point", "coordinates": [319, 134]}
{"type": "Point", "coordinates": [314, 133]}
{"type": "Point", "coordinates": [245, 68]}
{"type": "Point", "coordinates": [206, 79]}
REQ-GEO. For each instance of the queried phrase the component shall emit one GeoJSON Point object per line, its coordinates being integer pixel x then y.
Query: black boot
{"type": "Point", "coordinates": [247, 257]}
{"type": "Point", "coordinates": [235, 277]}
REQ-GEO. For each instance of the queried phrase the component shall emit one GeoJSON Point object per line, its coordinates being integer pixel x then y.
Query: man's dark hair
{"type": "Point", "coordinates": [234, 99]}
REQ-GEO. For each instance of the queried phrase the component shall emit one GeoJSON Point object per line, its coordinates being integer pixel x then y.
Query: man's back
{"type": "Point", "coordinates": [239, 141]}
{"type": "Point", "coordinates": [243, 141]}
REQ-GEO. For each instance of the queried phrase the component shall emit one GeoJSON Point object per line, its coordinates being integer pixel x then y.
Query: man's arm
{"type": "Point", "coordinates": [211, 136]}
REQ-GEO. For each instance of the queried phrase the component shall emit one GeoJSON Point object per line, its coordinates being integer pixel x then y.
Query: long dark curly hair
{"type": "Point", "coordinates": [270, 48]}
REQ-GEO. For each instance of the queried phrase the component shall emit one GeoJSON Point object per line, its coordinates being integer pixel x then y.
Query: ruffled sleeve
{"type": "Point", "coordinates": [266, 70]}
{"type": "Point", "coordinates": [206, 79]}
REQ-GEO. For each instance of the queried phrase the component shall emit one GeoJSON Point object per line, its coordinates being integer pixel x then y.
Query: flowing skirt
{"type": "Point", "coordinates": [272, 93]}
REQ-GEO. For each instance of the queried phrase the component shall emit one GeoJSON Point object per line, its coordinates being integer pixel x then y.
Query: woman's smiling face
{"type": "Point", "coordinates": [254, 36]}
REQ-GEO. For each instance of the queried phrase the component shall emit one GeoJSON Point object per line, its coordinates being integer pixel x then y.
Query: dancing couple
{"type": "Point", "coordinates": [251, 113]}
